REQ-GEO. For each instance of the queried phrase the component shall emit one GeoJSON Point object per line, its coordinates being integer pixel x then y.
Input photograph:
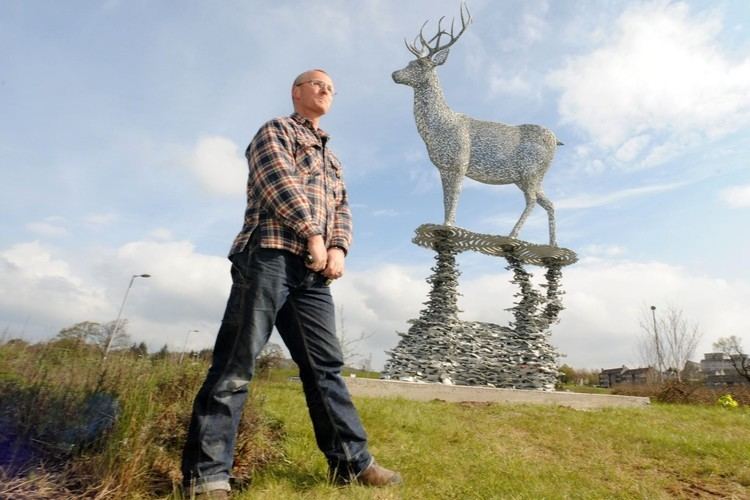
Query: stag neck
{"type": "Point", "coordinates": [429, 94]}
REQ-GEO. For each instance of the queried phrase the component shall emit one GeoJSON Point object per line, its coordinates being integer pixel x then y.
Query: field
{"type": "Point", "coordinates": [443, 450]}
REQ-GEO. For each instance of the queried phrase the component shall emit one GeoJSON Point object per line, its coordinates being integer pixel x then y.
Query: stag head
{"type": "Point", "coordinates": [430, 53]}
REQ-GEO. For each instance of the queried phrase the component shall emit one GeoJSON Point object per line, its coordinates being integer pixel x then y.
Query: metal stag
{"type": "Point", "coordinates": [458, 145]}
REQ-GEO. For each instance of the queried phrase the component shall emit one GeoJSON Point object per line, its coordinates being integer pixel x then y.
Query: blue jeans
{"type": "Point", "coordinates": [273, 287]}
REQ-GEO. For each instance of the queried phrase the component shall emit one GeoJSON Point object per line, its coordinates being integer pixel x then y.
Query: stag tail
{"type": "Point", "coordinates": [560, 143]}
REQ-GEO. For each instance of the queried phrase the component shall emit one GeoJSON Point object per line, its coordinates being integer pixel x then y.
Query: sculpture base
{"type": "Point", "coordinates": [428, 235]}
{"type": "Point", "coordinates": [473, 353]}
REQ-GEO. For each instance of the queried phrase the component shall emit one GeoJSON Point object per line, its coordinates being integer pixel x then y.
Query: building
{"type": "Point", "coordinates": [718, 369]}
{"type": "Point", "coordinates": [611, 376]}
{"type": "Point", "coordinates": [624, 375]}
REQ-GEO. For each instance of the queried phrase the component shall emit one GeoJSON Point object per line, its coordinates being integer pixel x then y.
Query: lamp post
{"type": "Point", "coordinates": [117, 321]}
{"type": "Point", "coordinates": [184, 346]}
{"type": "Point", "coordinates": [658, 345]}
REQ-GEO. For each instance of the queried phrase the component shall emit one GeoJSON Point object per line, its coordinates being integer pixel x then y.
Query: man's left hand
{"type": "Point", "coordinates": [335, 265]}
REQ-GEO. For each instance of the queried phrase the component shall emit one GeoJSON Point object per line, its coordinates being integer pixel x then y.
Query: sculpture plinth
{"type": "Point", "coordinates": [439, 347]}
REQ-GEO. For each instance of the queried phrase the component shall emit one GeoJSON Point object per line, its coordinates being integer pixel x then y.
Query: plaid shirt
{"type": "Point", "coordinates": [294, 189]}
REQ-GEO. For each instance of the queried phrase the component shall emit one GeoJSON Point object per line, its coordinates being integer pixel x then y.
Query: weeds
{"type": "Point", "coordinates": [684, 392]}
{"type": "Point", "coordinates": [48, 404]}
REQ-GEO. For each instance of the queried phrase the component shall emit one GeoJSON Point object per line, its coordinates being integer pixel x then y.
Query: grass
{"type": "Point", "coordinates": [443, 450]}
{"type": "Point", "coordinates": [483, 451]}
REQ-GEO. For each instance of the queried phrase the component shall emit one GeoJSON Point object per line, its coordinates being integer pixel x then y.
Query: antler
{"type": "Point", "coordinates": [427, 50]}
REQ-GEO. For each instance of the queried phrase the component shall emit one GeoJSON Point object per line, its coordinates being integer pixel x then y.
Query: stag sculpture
{"type": "Point", "coordinates": [458, 145]}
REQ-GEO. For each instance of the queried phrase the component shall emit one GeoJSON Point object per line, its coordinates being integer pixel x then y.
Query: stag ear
{"type": "Point", "coordinates": [440, 57]}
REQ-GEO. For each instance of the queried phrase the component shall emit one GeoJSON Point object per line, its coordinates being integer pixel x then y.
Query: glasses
{"type": "Point", "coordinates": [320, 85]}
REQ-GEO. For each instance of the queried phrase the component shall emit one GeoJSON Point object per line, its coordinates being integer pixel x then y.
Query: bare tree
{"type": "Point", "coordinates": [349, 346]}
{"type": "Point", "coordinates": [270, 357]}
{"type": "Point", "coordinates": [669, 339]}
{"type": "Point", "coordinates": [114, 336]}
{"type": "Point", "coordinates": [732, 347]}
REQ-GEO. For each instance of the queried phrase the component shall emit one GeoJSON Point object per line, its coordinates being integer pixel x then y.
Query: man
{"type": "Point", "coordinates": [294, 240]}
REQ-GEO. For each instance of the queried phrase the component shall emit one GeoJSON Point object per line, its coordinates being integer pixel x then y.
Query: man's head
{"type": "Point", "coordinates": [312, 94]}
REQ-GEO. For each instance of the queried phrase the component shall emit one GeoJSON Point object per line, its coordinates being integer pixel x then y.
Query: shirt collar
{"type": "Point", "coordinates": [308, 124]}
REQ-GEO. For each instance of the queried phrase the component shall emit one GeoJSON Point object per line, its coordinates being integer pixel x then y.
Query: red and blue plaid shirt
{"type": "Point", "coordinates": [294, 190]}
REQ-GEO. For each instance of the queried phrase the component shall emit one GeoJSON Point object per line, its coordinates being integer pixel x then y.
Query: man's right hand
{"type": "Point", "coordinates": [316, 248]}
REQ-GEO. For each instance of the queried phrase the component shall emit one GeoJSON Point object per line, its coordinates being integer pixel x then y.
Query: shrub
{"type": "Point", "coordinates": [684, 392]}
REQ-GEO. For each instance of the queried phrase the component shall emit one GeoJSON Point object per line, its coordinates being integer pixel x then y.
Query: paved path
{"type": "Point", "coordinates": [462, 393]}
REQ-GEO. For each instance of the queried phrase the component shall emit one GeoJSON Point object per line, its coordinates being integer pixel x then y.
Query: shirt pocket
{"type": "Point", "coordinates": [308, 160]}
{"type": "Point", "coordinates": [335, 177]}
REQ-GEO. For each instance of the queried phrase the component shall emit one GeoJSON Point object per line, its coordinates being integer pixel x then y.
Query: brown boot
{"type": "Point", "coordinates": [375, 475]}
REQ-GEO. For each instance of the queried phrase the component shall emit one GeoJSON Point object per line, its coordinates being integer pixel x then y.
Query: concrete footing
{"type": "Point", "coordinates": [479, 394]}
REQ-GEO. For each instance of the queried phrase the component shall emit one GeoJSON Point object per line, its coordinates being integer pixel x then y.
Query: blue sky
{"type": "Point", "coordinates": [124, 124]}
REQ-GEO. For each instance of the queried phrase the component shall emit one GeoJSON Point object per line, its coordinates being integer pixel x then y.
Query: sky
{"type": "Point", "coordinates": [123, 127]}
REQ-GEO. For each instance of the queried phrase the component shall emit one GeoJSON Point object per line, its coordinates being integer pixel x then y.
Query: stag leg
{"type": "Point", "coordinates": [451, 191]}
{"type": "Point", "coordinates": [530, 197]}
{"type": "Point", "coordinates": [546, 204]}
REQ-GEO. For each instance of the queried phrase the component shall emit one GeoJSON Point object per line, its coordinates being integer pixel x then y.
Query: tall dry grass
{"type": "Point", "coordinates": [46, 392]}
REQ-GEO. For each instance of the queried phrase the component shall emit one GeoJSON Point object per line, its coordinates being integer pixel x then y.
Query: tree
{"type": "Point", "coordinates": [139, 350]}
{"type": "Point", "coordinates": [578, 376]}
{"type": "Point", "coordinates": [669, 339]}
{"type": "Point", "coordinates": [732, 347]}
{"type": "Point", "coordinates": [270, 357]}
{"type": "Point", "coordinates": [95, 334]}
{"type": "Point", "coordinates": [85, 332]}
{"type": "Point", "coordinates": [349, 345]}
{"type": "Point", "coordinates": [115, 337]}
{"type": "Point", "coordinates": [163, 353]}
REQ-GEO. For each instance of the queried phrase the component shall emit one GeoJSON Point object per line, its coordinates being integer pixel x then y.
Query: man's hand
{"type": "Point", "coordinates": [335, 266]}
{"type": "Point", "coordinates": [316, 248]}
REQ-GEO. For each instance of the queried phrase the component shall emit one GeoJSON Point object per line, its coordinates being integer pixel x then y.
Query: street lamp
{"type": "Point", "coordinates": [658, 345]}
{"type": "Point", "coordinates": [184, 346]}
{"type": "Point", "coordinates": [117, 321]}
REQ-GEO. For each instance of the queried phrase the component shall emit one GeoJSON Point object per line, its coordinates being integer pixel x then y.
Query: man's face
{"type": "Point", "coordinates": [311, 97]}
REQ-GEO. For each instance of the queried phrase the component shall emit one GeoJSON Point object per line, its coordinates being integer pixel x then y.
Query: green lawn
{"type": "Point", "coordinates": [446, 450]}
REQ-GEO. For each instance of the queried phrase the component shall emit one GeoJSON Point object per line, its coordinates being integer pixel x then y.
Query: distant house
{"type": "Point", "coordinates": [692, 372]}
{"type": "Point", "coordinates": [624, 375]}
{"type": "Point", "coordinates": [612, 376]}
{"type": "Point", "coordinates": [718, 369]}
{"type": "Point", "coordinates": [639, 376]}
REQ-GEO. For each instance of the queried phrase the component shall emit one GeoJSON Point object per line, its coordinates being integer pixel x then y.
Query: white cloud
{"type": "Point", "coordinates": [736, 196]}
{"type": "Point", "coordinates": [632, 147]}
{"type": "Point", "coordinates": [51, 226]}
{"type": "Point", "coordinates": [514, 85]}
{"type": "Point", "coordinates": [534, 24]}
{"type": "Point", "coordinates": [385, 212]}
{"type": "Point", "coordinates": [188, 290]}
{"type": "Point", "coordinates": [220, 168]}
{"type": "Point", "coordinates": [40, 288]}
{"type": "Point", "coordinates": [100, 219]}
{"type": "Point", "coordinates": [596, 250]}
{"type": "Point", "coordinates": [183, 283]}
{"type": "Point", "coordinates": [661, 71]}
{"type": "Point", "coordinates": [161, 234]}
{"type": "Point", "coordinates": [603, 300]}
{"type": "Point", "coordinates": [589, 201]}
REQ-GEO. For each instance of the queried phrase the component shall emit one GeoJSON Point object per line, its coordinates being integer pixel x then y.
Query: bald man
{"type": "Point", "coordinates": [293, 244]}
